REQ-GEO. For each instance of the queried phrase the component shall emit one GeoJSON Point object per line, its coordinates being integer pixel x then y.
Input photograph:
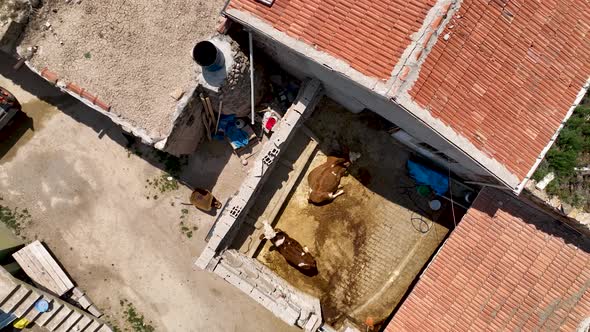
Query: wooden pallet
{"type": "Point", "coordinates": [42, 268]}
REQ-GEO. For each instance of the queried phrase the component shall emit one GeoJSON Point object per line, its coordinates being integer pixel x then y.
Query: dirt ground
{"type": "Point", "coordinates": [131, 53]}
{"type": "Point", "coordinates": [371, 242]}
{"type": "Point", "coordinates": [90, 202]}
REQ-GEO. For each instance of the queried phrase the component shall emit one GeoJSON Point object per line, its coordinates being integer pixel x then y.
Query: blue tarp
{"type": "Point", "coordinates": [6, 319]}
{"type": "Point", "coordinates": [227, 128]}
{"type": "Point", "coordinates": [428, 177]}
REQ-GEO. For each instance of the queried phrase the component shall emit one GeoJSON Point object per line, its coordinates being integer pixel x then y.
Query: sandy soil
{"type": "Point", "coordinates": [367, 244]}
{"type": "Point", "coordinates": [132, 53]}
{"type": "Point", "coordinates": [87, 197]}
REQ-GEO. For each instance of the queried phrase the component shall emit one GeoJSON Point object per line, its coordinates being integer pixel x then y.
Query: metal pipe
{"type": "Point", "coordinates": [208, 56]}
{"type": "Point", "coordinates": [251, 75]}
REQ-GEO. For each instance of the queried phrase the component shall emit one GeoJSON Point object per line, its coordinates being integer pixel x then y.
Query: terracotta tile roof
{"type": "Point", "coordinates": [506, 267]}
{"type": "Point", "coordinates": [368, 35]}
{"type": "Point", "coordinates": [507, 74]}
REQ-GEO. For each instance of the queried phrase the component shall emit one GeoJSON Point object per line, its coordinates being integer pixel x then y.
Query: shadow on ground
{"type": "Point", "coordinates": [201, 169]}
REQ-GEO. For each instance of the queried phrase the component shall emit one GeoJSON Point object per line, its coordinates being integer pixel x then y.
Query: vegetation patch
{"type": "Point", "coordinates": [135, 320]}
{"type": "Point", "coordinates": [163, 183]}
{"type": "Point", "coordinates": [15, 219]}
{"type": "Point", "coordinates": [185, 228]}
{"type": "Point", "coordinates": [567, 158]}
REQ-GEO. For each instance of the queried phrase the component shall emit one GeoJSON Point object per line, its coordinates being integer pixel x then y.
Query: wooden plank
{"type": "Point", "coordinates": [33, 314]}
{"type": "Point", "coordinates": [46, 317]}
{"type": "Point", "coordinates": [33, 268]}
{"type": "Point", "coordinates": [59, 318]}
{"type": "Point", "coordinates": [82, 323]}
{"type": "Point", "coordinates": [27, 304]}
{"type": "Point", "coordinates": [51, 266]}
{"type": "Point", "coordinates": [19, 296]}
{"type": "Point", "coordinates": [69, 322]}
{"type": "Point", "coordinates": [84, 301]}
{"type": "Point", "coordinates": [93, 327]}
{"type": "Point", "coordinates": [35, 272]}
{"type": "Point", "coordinates": [7, 285]}
{"type": "Point", "coordinates": [94, 311]}
{"type": "Point", "coordinates": [105, 328]}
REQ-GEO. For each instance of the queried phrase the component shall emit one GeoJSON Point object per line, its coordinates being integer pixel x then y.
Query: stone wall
{"type": "Point", "coordinates": [188, 129]}
{"type": "Point", "coordinates": [260, 283]}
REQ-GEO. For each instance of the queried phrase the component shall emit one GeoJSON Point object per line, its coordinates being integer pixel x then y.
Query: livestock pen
{"type": "Point", "coordinates": [371, 242]}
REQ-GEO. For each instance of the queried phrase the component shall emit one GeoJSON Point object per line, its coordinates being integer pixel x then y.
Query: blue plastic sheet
{"type": "Point", "coordinates": [428, 177]}
{"type": "Point", "coordinates": [228, 128]}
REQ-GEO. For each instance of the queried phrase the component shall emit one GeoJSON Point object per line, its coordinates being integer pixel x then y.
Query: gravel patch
{"type": "Point", "coordinates": [131, 53]}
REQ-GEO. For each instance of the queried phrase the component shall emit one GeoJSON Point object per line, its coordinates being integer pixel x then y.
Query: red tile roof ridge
{"type": "Point", "coordinates": [406, 71]}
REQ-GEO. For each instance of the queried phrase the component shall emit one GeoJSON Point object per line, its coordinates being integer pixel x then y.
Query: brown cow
{"type": "Point", "coordinates": [294, 253]}
{"type": "Point", "coordinates": [324, 180]}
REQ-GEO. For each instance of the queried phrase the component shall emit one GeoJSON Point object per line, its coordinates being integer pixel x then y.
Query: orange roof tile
{"type": "Point", "coordinates": [506, 267]}
{"type": "Point", "coordinates": [369, 35]}
{"type": "Point", "coordinates": [507, 75]}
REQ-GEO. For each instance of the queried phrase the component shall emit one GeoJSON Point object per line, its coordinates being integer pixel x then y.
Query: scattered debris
{"type": "Point", "coordinates": [177, 93]}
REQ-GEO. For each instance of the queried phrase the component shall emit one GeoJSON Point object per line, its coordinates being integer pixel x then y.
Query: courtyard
{"type": "Point", "coordinates": [106, 208]}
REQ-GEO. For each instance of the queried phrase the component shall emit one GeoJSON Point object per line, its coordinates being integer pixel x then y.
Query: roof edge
{"type": "Point", "coordinates": [541, 156]}
{"type": "Point", "coordinates": [329, 61]}
{"type": "Point", "coordinates": [491, 165]}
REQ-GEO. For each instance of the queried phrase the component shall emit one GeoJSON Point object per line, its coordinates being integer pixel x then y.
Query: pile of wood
{"type": "Point", "coordinates": [210, 121]}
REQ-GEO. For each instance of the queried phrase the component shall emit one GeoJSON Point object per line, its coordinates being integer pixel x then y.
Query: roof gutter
{"type": "Point", "coordinates": [541, 156]}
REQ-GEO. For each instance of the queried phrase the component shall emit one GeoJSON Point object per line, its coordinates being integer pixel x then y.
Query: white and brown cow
{"type": "Point", "coordinates": [294, 253]}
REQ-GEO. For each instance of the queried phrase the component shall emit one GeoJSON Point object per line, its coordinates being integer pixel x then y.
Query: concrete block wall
{"type": "Point", "coordinates": [246, 273]}
{"type": "Point", "coordinates": [228, 221]}
{"type": "Point", "coordinates": [260, 283]}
